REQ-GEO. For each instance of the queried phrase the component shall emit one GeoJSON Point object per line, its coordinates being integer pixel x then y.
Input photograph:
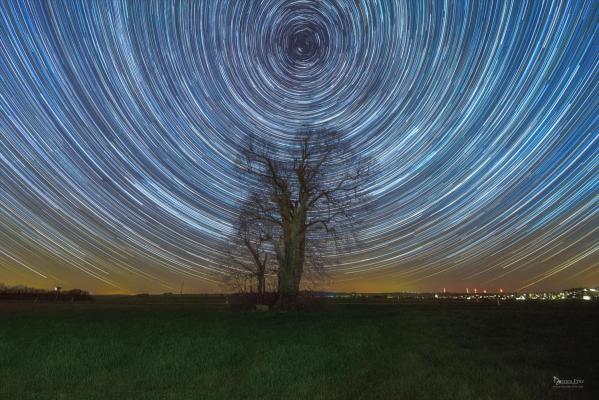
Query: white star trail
{"type": "Point", "coordinates": [121, 123]}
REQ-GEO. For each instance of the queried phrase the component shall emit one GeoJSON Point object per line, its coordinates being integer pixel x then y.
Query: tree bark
{"type": "Point", "coordinates": [291, 260]}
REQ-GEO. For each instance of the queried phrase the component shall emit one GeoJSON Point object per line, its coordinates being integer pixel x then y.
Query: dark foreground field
{"type": "Point", "coordinates": [204, 351]}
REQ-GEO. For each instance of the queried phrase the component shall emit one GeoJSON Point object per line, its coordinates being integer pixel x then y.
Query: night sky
{"type": "Point", "coordinates": [121, 123]}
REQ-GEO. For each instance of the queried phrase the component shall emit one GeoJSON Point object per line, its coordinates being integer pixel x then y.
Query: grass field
{"type": "Point", "coordinates": [204, 351]}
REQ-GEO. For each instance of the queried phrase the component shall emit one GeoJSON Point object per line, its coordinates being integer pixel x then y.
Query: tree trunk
{"type": "Point", "coordinates": [290, 251]}
{"type": "Point", "coordinates": [261, 286]}
{"type": "Point", "coordinates": [291, 264]}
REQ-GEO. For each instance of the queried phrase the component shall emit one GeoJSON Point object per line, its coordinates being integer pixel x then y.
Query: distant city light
{"type": "Point", "coordinates": [577, 294]}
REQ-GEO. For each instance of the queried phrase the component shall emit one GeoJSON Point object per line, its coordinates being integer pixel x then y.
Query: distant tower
{"type": "Point", "coordinates": [467, 291]}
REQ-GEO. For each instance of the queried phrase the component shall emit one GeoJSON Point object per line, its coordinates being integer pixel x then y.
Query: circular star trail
{"type": "Point", "coordinates": [121, 123]}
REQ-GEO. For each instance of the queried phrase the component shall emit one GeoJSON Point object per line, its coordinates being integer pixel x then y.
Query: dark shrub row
{"type": "Point", "coordinates": [18, 293]}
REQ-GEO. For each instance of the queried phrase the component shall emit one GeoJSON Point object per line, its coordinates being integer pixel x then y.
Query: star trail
{"type": "Point", "coordinates": [121, 123]}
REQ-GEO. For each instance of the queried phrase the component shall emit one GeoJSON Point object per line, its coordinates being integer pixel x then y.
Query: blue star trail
{"type": "Point", "coordinates": [121, 123]}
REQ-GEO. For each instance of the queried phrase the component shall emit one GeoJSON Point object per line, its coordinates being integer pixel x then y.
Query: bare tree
{"type": "Point", "coordinates": [310, 194]}
{"type": "Point", "coordinates": [249, 255]}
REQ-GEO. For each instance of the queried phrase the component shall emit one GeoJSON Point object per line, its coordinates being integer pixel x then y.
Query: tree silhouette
{"type": "Point", "coordinates": [307, 198]}
{"type": "Point", "coordinates": [249, 255]}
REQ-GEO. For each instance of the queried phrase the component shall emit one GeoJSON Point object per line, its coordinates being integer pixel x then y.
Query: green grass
{"type": "Point", "coordinates": [139, 351]}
